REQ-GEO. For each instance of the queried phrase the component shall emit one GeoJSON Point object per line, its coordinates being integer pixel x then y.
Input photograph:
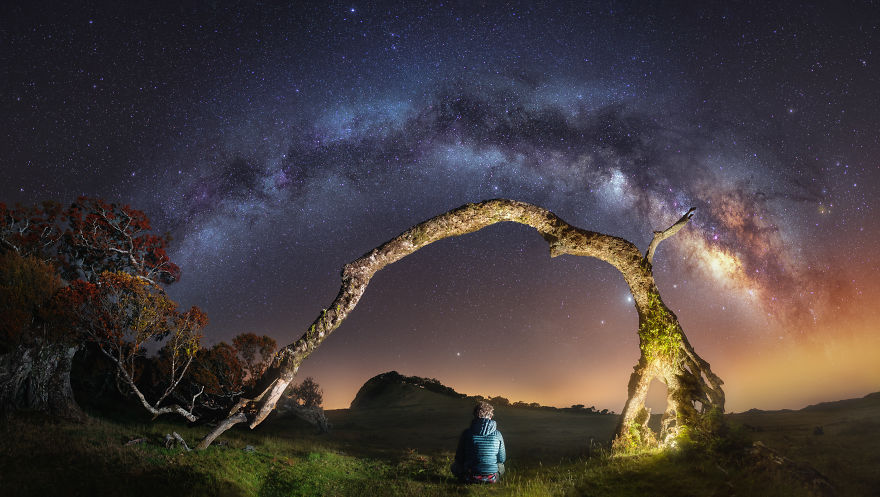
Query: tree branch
{"type": "Point", "coordinates": [659, 236]}
{"type": "Point", "coordinates": [154, 410]}
{"type": "Point", "coordinates": [192, 404]}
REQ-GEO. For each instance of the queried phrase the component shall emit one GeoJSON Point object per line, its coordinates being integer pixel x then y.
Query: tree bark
{"type": "Point", "coordinates": [37, 378]}
{"type": "Point", "coordinates": [666, 354]}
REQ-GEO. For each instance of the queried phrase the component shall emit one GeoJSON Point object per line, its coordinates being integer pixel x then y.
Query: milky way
{"type": "Point", "coordinates": [277, 144]}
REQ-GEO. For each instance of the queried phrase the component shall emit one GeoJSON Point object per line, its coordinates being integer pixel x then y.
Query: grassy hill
{"type": "Point", "coordinates": [399, 439]}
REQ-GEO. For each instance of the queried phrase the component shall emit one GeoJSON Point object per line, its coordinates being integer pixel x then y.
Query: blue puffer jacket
{"type": "Point", "coordinates": [481, 447]}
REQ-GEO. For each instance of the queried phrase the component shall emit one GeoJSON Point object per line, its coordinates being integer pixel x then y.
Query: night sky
{"type": "Point", "coordinates": [277, 143]}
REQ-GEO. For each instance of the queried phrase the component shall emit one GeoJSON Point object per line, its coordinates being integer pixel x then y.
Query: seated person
{"type": "Point", "coordinates": [480, 455]}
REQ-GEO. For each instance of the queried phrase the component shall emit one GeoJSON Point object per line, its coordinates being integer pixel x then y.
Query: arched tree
{"type": "Point", "coordinates": [693, 389]}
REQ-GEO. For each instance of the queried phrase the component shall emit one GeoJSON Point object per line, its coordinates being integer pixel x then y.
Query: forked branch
{"type": "Point", "coordinates": [659, 236]}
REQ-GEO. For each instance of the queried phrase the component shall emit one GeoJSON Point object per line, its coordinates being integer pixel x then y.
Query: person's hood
{"type": "Point", "coordinates": [482, 426]}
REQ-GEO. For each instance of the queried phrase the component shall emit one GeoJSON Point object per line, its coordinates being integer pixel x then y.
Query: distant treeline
{"type": "Point", "coordinates": [504, 402]}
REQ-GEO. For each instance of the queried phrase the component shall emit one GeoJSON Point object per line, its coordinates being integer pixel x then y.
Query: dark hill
{"type": "Point", "coordinates": [393, 389]}
{"type": "Point", "coordinates": [861, 406]}
{"type": "Point", "coordinates": [872, 400]}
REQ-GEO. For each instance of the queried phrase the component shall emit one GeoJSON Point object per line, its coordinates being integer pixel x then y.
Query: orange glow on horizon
{"type": "Point", "coordinates": [763, 376]}
{"type": "Point", "coordinates": [828, 369]}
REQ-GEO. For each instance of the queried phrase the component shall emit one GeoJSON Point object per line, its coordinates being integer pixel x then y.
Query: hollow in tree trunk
{"type": "Point", "coordinates": [665, 352]}
{"type": "Point", "coordinates": [693, 390]}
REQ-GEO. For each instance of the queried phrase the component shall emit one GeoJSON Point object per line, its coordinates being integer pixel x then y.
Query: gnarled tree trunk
{"type": "Point", "coordinates": [37, 378]}
{"type": "Point", "coordinates": [693, 390]}
{"type": "Point", "coordinates": [666, 354]}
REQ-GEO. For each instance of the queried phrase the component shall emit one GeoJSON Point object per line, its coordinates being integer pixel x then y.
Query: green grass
{"type": "Point", "coordinates": [41, 457]}
{"type": "Point", "coordinates": [405, 449]}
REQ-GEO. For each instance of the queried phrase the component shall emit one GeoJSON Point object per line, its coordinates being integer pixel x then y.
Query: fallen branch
{"type": "Point", "coordinates": [172, 439]}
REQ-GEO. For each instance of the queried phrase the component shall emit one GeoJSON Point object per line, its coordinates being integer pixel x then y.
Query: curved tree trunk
{"type": "Point", "coordinates": [666, 354]}
{"type": "Point", "coordinates": [38, 378]}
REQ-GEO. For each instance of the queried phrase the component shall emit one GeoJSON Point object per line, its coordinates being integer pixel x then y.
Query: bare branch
{"type": "Point", "coordinates": [659, 236]}
{"type": "Point", "coordinates": [192, 404]}
{"type": "Point", "coordinates": [153, 409]}
{"type": "Point", "coordinates": [173, 438]}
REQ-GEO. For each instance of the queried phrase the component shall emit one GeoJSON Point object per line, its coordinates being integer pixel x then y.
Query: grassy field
{"type": "Point", "coordinates": [839, 439]}
{"type": "Point", "coordinates": [406, 450]}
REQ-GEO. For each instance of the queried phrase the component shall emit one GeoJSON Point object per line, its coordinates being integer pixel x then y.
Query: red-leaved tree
{"type": "Point", "coordinates": [31, 230]}
{"type": "Point", "coordinates": [121, 313]}
{"type": "Point", "coordinates": [78, 243]}
{"type": "Point", "coordinates": [256, 353]}
{"type": "Point", "coordinates": [218, 371]}
{"type": "Point", "coordinates": [224, 371]}
{"type": "Point", "coordinates": [109, 237]}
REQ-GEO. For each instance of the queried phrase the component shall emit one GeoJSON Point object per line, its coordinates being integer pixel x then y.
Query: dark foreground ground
{"type": "Point", "coordinates": [406, 449]}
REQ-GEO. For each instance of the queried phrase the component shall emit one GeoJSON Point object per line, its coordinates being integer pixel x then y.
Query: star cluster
{"type": "Point", "coordinates": [277, 143]}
